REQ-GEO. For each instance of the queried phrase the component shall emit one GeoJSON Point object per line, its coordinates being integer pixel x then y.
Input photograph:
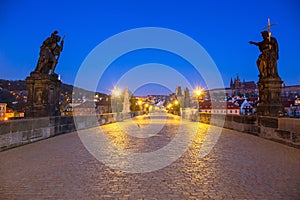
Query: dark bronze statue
{"type": "Point", "coordinates": [267, 60]}
{"type": "Point", "coordinates": [269, 83]}
{"type": "Point", "coordinates": [49, 54]}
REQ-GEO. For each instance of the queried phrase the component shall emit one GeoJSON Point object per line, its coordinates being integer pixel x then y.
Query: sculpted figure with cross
{"type": "Point", "coordinates": [267, 60]}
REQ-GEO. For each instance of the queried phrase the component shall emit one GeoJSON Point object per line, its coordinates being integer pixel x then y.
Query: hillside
{"type": "Point", "coordinates": [15, 91]}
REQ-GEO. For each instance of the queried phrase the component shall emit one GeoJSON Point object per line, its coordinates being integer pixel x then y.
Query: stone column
{"type": "Point", "coordinates": [43, 95]}
{"type": "Point", "coordinates": [270, 97]}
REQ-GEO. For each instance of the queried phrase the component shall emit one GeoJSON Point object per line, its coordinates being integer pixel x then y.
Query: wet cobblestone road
{"type": "Point", "coordinates": [240, 166]}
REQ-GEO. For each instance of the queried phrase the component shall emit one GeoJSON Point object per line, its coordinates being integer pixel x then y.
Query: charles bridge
{"type": "Point", "coordinates": [240, 165]}
{"type": "Point", "coordinates": [226, 157]}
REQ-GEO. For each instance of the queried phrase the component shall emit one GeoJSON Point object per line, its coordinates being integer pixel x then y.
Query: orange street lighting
{"type": "Point", "coordinates": [140, 102]}
{"type": "Point", "coordinates": [198, 91]}
{"type": "Point", "coordinates": [176, 102]}
{"type": "Point", "coordinates": [116, 92]}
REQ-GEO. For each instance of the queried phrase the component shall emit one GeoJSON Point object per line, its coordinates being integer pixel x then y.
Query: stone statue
{"type": "Point", "coordinates": [267, 60]}
{"type": "Point", "coordinates": [269, 83]}
{"type": "Point", "coordinates": [49, 53]}
{"type": "Point", "coordinates": [126, 104]}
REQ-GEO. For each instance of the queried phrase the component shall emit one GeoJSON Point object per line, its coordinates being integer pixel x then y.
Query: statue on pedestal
{"type": "Point", "coordinates": [43, 87]}
{"type": "Point", "coordinates": [269, 84]}
{"type": "Point", "coordinates": [49, 53]}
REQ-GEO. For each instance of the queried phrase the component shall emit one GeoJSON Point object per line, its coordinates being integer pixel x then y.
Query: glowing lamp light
{"type": "Point", "coordinates": [116, 92]}
{"type": "Point", "coordinates": [176, 102]}
{"type": "Point", "coordinates": [198, 91]}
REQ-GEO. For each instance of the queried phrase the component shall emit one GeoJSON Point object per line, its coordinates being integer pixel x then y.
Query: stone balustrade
{"type": "Point", "coordinates": [283, 130]}
{"type": "Point", "coordinates": [15, 133]}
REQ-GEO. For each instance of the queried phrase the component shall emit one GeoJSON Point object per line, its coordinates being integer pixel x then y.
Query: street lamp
{"type": "Point", "coordinates": [116, 92]}
{"type": "Point", "coordinates": [198, 92]}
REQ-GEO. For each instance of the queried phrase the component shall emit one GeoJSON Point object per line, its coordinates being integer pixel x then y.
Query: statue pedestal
{"type": "Point", "coordinates": [270, 97]}
{"type": "Point", "coordinates": [43, 95]}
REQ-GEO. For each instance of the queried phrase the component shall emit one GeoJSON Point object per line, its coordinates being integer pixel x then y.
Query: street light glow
{"type": "Point", "coordinates": [198, 91]}
{"type": "Point", "coordinates": [176, 102]}
{"type": "Point", "coordinates": [116, 92]}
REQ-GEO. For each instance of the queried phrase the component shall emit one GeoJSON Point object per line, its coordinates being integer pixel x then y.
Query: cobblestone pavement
{"type": "Point", "coordinates": [240, 166]}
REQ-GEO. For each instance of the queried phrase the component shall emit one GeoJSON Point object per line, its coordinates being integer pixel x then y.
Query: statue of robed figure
{"type": "Point", "coordinates": [269, 83]}
{"type": "Point", "coordinates": [267, 60]}
{"type": "Point", "coordinates": [44, 87]}
{"type": "Point", "coordinates": [50, 53]}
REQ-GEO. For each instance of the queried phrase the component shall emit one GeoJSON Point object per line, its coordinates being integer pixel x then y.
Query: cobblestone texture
{"type": "Point", "coordinates": [240, 166]}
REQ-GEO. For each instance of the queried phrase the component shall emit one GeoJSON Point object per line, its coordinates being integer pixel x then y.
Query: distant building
{"type": "Point", "coordinates": [291, 107]}
{"type": "Point", "coordinates": [179, 95]}
{"type": "Point", "coordinates": [2, 111]}
{"type": "Point", "coordinates": [187, 99]}
{"type": "Point", "coordinates": [86, 108]}
{"type": "Point", "coordinates": [238, 84]}
{"type": "Point", "coordinates": [290, 92]}
{"type": "Point", "coordinates": [219, 108]}
{"type": "Point", "coordinates": [246, 108]}
{"type": "Point", "coordinates": [103, 104]}
{"type": "Point", "coordinates": [242, 88]}
{"type": "Point", "coordinates": [9, 113]}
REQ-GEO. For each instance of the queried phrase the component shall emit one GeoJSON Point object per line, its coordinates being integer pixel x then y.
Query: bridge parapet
{"type": "Point", "coordinates": [283, 130]}
{"type": "Point", "coordinates": [15, 133]}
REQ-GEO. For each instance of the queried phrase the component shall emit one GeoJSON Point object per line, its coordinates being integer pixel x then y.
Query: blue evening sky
{"type": "Point", "coordinates": [223, 28]}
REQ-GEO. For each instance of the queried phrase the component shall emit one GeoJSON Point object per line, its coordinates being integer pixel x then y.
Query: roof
{"type": "Point", "coordinates": [218, 105]}
{"type": "Point", "coordinates": [86, 104]}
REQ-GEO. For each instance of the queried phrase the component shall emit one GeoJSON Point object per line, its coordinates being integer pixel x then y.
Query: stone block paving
{"type": "Point", "coordinates": [240, 166]}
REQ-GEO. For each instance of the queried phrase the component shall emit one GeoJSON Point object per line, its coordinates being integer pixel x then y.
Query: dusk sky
{"type": "Point", "coordinates": [223, 28]}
